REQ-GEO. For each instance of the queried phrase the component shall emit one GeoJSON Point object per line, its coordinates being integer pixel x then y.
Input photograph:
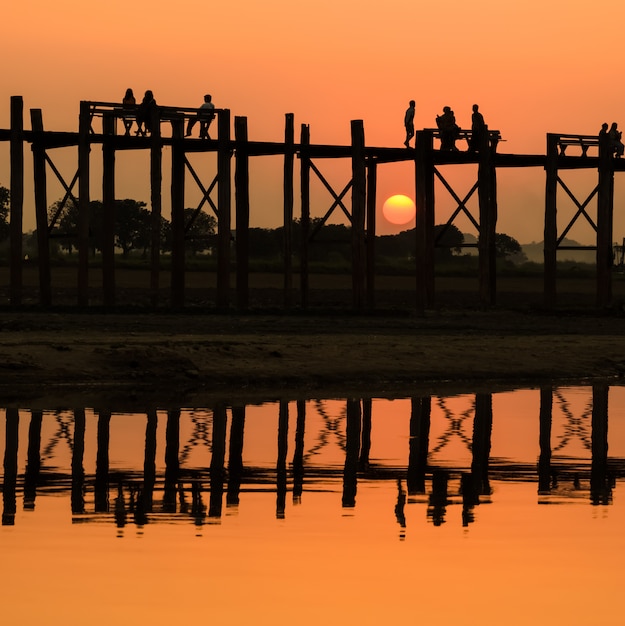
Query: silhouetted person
{"type": "Point", "coordinates": [478, 128]}
{"type": "Point", "coordinates": [448, 129]}
{"type": "Point", "coordinates": [616, 145]}
{"type": "Point", "coordinates": [604, 140]}
{"type": "Point", "coordinates": [129, 103]}
{"type": "Point", "coordinates": [205, 116]}
{"type": "Point", "coordinates": [409, 123]}
{"type": "Point", "coordinates": [144, 114]}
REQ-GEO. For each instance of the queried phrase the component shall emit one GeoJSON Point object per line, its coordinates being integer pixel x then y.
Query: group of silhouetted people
{"type": "Point", "coordinates": [448, 128]}
{"type": "Point", "coordinates": [143, 114]}
{"type": "Point", "coordinates": [610, 140]}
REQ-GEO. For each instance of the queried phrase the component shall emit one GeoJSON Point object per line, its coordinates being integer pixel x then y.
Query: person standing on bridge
{"type": "Point", "coordinates": [449, 130]}
{"type": "Point", "coordinates": [409, 123]}
{"type": "Point", "coordinates": [205, 116]}
{"type": "Point", "coordinates": [478, 128]}
{"type": "Point", "coordinates": [616, 145]}
{"type": "Point", "coordinates": [129, 103]}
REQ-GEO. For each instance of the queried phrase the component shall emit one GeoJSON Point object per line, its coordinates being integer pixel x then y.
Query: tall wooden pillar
{"type": "Point", "coordinates": [605, 210]}
{"type": "Point", "coordinates": [224, 153]}
{"type": "Point", "coordinates": [281, 465]}
{"type": "Point", "coordinates": [156, 176]}
{"type": "Point", "coordinates": [242, 212]}
{"type": "Point", "coordinates": [235, 455]}
{"type": "Point", "coordinates": [551, 225]}
{"type": "Point", "coordinates": [41, 208]}
{"type": "Point", "coordinates": [424, 224]}
{"type": "Point", "coordinates": [17, 198]}
{"type": "Point", "coordinates": [372, 176]}
{"type": "Point", "coordinates": [544, 440]}
{"type": "Point", "coordinates": [9, 482]}
{"type": "Point", "coordinates": [78, 470]}
{"type": "Point", "coordinates": [600, 482]}
{"type": "Point", "coordinates": [358, 213]}
{"type": "Point", "coordinates": [305, 218]}
{"type": "Point", "coordinates": [177, 215]}
{"type": "Point", "coordinates": [287, 230]}
{"type": "Point", "coordinates": [420, 416]}
{"type": "Point", "coordinates": [217, 466]}
{"type": "Point", "coordinates": [84, 147]}
{"type": "Point", "coordinates": [108, 210]}
{"type": "Point", "coordinates": [101, 485]}
{"type": "Point", "coordinates": [487, 195]}
{"type": "Point", "coordinates": [352, 452]}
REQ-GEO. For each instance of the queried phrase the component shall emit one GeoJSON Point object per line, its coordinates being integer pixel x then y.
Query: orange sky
{"type": "Point", "coordinates": [534, 67]}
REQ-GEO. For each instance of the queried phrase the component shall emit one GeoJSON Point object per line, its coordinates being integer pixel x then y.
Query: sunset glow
{"type": "Point", "coordinates": [399, 209]}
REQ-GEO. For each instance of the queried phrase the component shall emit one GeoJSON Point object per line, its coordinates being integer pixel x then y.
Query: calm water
{"type": "Point", "coordinates": [482, 509]}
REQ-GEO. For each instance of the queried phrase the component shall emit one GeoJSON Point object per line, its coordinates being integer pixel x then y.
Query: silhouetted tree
{"type": "Point", "coordinates": [507, 247]}
{"type": "Point", "coordinates": [448, 240]}
{"type": "Point", "coordinates": [200, 228]}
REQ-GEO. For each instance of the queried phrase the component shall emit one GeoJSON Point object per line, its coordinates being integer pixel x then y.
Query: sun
{"type": "Point", "coordinates": [399, 209]}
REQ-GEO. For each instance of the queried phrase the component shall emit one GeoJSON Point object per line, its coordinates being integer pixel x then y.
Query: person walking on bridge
{"type": "Point", "coordinates": [409, 123]}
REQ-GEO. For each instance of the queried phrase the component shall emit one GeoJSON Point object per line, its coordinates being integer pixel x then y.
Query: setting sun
{"type": "Point", "coordinates": [399, 209]}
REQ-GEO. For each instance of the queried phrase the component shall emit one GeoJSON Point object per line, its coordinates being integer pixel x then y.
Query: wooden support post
{"type": "Point", "coordinates": [482, 432]}
{"type": "Point", "coordinates": [156, 176]}
{"type": "Point", "coordinates": [78, 469]}
{"type": "Point", "coordinates": [305, 218]}
{"type": "Point", "coordinates": [218, 457]}
{"type": "Point", "coordinates": [297, 466]}
{"type": "Point", "coordinates": [605, 211]}
{"type": "Point", "coordinates": [287, 251]}
{"type": "Point", "coordinates": [33, 463]}
{"type": "Point", "coordinates": [424, 223]}
{"type": "Point", "coordinates": [600, 482]}
{"type": "Point", "coordinates": [177, 215]}
{"type": "Point", "coordinates": [242, 212]}
{"type": "Point", "coordinates": [551, 225]}
{"type": "Point", "coordinates": [9, 482]}
{"type": "Point", "coordinates": [235, 455]}
{"type": "Point", "coordinates": [352, 452]}
{"type": "Point", "coordinates": [149, 460]}
{"type": "Point", "coordinates": [358, 214]}
{"type": "Point", "coordinates": [16, 215]}
{"type": "Point", "coordinates": [281, 464]}
{"type": "Point", "coordinates": [41, 208]}
{"type": "Point", "coordinates": [372, 176]}
{"type": "Point", "coordinates": [224, 153]}
{"type": "Point", "coordinates": [488, 222]}
{"type": "Point", "coordinates": [172, 460]}
{"type": "Point", "coordinates": [101, 483]}
{"type": "Point", "coordinates": [84, 147]}
{"type": "Point", "coordinates": [108, 210]}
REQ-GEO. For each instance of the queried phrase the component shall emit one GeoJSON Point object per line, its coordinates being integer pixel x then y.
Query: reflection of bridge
{"type": "Point", "coordinates": [98, 126]}
{"type": "Point", "coordinates": [148, 495]}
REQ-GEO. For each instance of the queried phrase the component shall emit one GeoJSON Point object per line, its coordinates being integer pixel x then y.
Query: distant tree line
{"type": "Point", "coordinates": [329, 243]}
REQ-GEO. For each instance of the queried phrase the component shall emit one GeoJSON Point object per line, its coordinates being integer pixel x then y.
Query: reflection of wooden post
{"type": "Point", "coordinates": [298, 455]}
{"type": "Point", "coordinates": [223, 204]}
{"type": "Point", "coordinates": [242, 212]}
{"type": "Point", "coordinates": [17, 197]}
{"type": "Point", "coordinates": [289, 156]}
{"type": "Point", "coordinates": [235, 455]}
{"type": "Point", "coordinates": [217, 461]}
{"type": "Point", "coordinates": [41, 208]}
{"type": "Point", "coordinates": [172, 460]}
{"type": "Point", "coordinates": [419, 444]}
{"type": "Point", "coordinates": [108, 210]}
{"type": "Point", "coordinates": [78, 470]}
{"type": "Point", "coordinates": [84, 147]}
{"type": "Point", "coordinates": [372, 176]}
{"type": "Point", "coordinates": [544, 439]}
{"type": "Point", "coordinates": [482, 430]}
{"type": "Point", "coordinates": [149, 461]}
{"type": "Point", "coordinates": [352, 452]}
{"type": "Point", "coordinates": [305, 219]}
{"type": "Point", "coordinates": [600, 485]}
{"type": "Point", "coordinates": [101, 486]}
{"type": "Point", "coordinates": [437, 505]}
{"type": "Point", "coordinates": [358, 213]}
{"type": "Point", "coordinates": [177, 215]}
{"type": "Point", "coordinates": [33, 464]}
{"type": "Point", "coordinates": [365, 449]}
{"type": "Point", "coordinates": [10, 467]}
{"type": "Point", "coordinates": [551, 223]}
{"type": "Point", "coordinates": [283, 433]}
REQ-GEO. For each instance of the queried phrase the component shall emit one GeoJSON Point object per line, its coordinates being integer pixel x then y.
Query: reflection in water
{"type": "Point", "coordinates": [449, 482]}
{"type": "Point", "coordinates": [220, 434]}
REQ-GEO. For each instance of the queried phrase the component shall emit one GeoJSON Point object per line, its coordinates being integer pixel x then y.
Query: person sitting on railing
{"type": "Point", "coordinates": [616, 145]}
{"type": "Point", "coordinates": [129, 103]}
{"type": "Point", "coordinates": [205, 116]}
{"type": "Point", "coordinates": [144, 114]}
{"type": "Point", "coordinates": [448, 128]}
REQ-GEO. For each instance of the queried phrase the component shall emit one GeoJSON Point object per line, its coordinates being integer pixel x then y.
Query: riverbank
{"type": "Point", "coordinates": [127, 360]}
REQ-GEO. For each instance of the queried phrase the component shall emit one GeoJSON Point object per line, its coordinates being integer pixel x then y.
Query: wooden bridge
{"type": "Point", "coordinates": [99, 123]}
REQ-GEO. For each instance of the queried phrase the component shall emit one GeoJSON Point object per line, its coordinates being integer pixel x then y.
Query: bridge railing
{"type": "Point", "coordinates": [494, 136]}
